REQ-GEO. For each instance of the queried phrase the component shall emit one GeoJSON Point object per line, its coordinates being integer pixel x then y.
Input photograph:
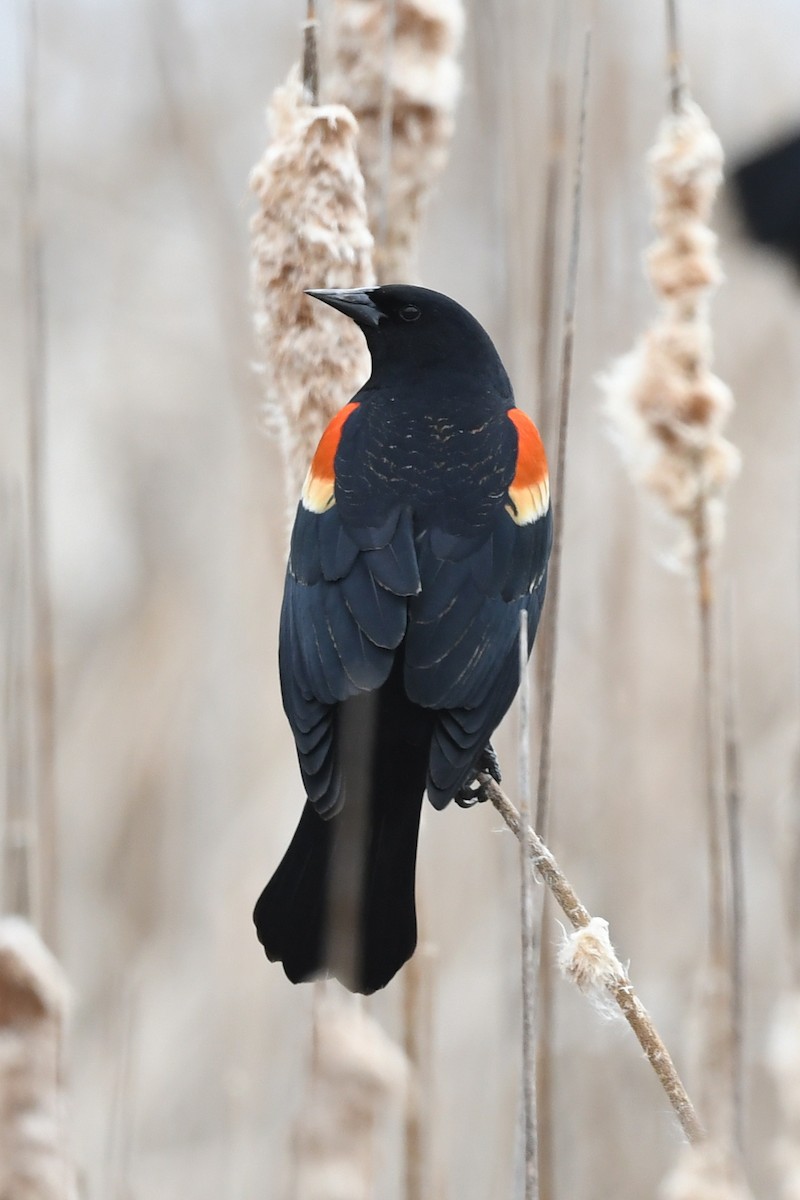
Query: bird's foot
{"type": "Point", "coordinates": [474, 792]}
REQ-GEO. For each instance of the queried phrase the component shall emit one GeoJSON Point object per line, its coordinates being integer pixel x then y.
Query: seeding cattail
{"type": "Point", "coordinates": [668, 408]}
{"type": "Point", "coordinates": [705, 1172]}
{"type": "Point", "coordinates": [358, 1073]}
{"type": "Point", "coordinates": [310, 230]}
{"type": "Point", "coordinates": [34, 1164]}
{"type": "Point", "coordinates": [396, 69]}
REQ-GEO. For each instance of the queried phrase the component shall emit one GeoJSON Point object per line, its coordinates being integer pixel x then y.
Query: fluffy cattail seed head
{"type": "Point", "coordinates": [310, 230]}
{"type": "Point", "coordinates": [666, 406]}
{"type": "Point", "coordinates": [590, 961]}
{"type": "Point", "coordinates": [401, 79]}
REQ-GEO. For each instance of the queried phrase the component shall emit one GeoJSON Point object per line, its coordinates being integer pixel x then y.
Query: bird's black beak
{"type": "Point", "coordinates": [356, 303]}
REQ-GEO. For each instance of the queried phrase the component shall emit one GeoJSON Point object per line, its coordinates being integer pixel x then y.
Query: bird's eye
{"type": "Point", "coordinates": [410, 312]}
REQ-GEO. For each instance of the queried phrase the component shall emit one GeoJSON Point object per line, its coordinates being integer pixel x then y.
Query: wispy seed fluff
{"type": "Point", "coordinates": [705, 1172]}
{"type": "Point", "coordinates": [410, 73]}
{"type": "Point", "coordinates": [310, 231]}
{"type": "Point", "coordinates": [590, 961]}
{"type": "Point", "coordinates": [34, 1161]}
{"type": "Point", "coordinates": [668, 408]}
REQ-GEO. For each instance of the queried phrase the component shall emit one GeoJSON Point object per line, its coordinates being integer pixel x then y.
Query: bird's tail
{"type": "Point", "coordinates": [342, 899]}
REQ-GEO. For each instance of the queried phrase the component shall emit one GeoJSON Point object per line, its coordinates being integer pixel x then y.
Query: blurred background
{"type": "Point", "coordinates": [176, 777]}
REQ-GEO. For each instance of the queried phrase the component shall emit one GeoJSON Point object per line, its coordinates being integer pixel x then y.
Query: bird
{"type": "Point", "coordinates": [423, 531]}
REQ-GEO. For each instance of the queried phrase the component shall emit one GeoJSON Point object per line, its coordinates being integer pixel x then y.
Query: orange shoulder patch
{"type": "Point", "coordinates": [529, 490]}
{"type": "Point", "coordinates": [317, 495]}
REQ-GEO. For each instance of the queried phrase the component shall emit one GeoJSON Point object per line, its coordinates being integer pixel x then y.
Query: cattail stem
{"type": "Point", "coordinates": [733, 805]}
{"type": "Point", "coordinates": [43, 706]}
{"type": "Point", "coordinates": [621, 988]}
{"type": "Point", "coordinates": [386, 138]}
{"type": "Point", "coordinates": [310, 67]}
{"type": "Point", "coordinates": [676, 66]}
{"type": "Point", "coordinates": [556, 138]}
{"type": "Point", "coordinates": [565, 386]}
{"type": "Point", "coordinates": [528, 925]}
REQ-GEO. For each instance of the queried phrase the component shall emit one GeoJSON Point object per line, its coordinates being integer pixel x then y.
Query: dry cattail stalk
{"type": "Point", "coordinates": [310, 230]}
{"type": "Point", "coordinates": [784, 1060]}
{"type": "Point", "coordinates": [620, 988]}
{"type": "Point", "coordinates": [34, 1164]}
{"type": "Point", "coordinates": [396, 69]}
{"type": "Point", "coordinates": [705, 1172]}
{"type": "Point", "coordinates": [668, 408]}
{"type": "Point", "coordinates": [358, 1073]}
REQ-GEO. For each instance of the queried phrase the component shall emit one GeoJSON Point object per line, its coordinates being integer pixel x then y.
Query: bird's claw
{"type": "Point", "coordinates": [474, 792]}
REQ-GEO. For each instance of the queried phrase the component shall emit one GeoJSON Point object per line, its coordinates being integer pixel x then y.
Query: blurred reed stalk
{"type": "Point", "coordinates": [528, 928]}
{"type": "Point", "coordinates": [669, 410]}
{"type": "Point", "coordinates": [547, 421]}
{"type": "Point", "coordinates": [547, 653]}
{"type": "Point", "coordinates": [397, 70]}
{"type": "Point", "coordinates": [592, 964]}
{"type": "Point", "coordinates": [42, 691]}
{"type": "Point", "coordinates": [17, 825]}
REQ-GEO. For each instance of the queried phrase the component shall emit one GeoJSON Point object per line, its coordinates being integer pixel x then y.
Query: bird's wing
{"type": "Point", "coordinates": [461, 649]}
{"type": "Point", "coordinates": [344, 614]}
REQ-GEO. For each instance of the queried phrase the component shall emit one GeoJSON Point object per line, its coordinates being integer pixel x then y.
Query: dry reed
{"type": "Point", "coordinates": [669, 411]}
{"type": "Point", "coordinates": [42, 672]}
{"type": "Point", "coordinates": [612, 974]}
{"type": "Point", "coordinates": [310, 230]}
{"type": "Point", "coordinates": [34, 1163]}
{"type": "Point", "coordinates": [396, 69]}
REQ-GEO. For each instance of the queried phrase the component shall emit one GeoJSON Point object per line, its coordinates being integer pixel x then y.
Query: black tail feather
{"type": "Point", "coordinates": [292, 913]}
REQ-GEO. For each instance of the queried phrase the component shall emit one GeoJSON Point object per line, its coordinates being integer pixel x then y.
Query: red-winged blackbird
{"type": "Point", "coordinates": [423, 530]}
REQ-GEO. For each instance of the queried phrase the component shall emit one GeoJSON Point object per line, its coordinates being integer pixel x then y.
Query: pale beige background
{"type": "Point", "coordinates": [177, 778]}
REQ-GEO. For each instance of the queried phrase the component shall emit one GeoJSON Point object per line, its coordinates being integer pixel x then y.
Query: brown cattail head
{"type": "Point", "coordinates": [667, 406]}
{"type": "Point", "coordinates": [396, 69]}
{"type": "Point", "coordinates": [34, 1164]}
{"type": "Point", "coordinates": [310, 230]}
{"type": "Point", "coordinates": [358, 1073]}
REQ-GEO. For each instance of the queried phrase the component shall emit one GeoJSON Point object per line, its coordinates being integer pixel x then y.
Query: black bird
{"type": "Point", "coordinates": [423, 530]}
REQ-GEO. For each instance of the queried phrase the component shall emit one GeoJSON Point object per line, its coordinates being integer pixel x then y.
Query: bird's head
{"type": "Point", "coordinates": [415, 328]}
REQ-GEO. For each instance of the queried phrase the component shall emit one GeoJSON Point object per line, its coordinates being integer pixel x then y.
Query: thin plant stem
{"type": "Point", "coordinates": [18, 870]}
{"type": "Point", "coordinates": [621, 989]}
{"type": "Point", "coordinates": [528, 925]}
{"type": "Point", "coordinates": [733, 797]}
{"type": "Point", "coordinates": [676, 68]}
{"type": "Point", "coordinates": [550, 623]}
{"type": "Point", "coordinates": [417, 1040]}
{"type": "Point", "coordinates": [386, 140]}
{"type": "Point", "coordinates": [554, 172]}
{"type": "Point", "coordinates": [719, 1050]}
{"type": "Point", "coordinates": [42, 662]}
{"type": "Point", "coordinates": [311, 53]}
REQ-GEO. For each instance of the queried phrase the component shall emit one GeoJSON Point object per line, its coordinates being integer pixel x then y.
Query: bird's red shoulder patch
{"type": "Point", "coordinates": [529, 490]}
{"type": "Point", "coordinates": [317, 494]}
